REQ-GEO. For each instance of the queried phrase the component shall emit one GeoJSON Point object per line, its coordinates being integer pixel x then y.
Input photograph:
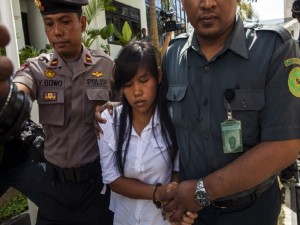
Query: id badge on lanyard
{"type": "Point", "coordinates": [231, 128]}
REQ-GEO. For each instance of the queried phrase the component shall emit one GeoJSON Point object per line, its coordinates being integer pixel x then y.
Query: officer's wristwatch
{"type": "Point", "coordinates": [201, 196]}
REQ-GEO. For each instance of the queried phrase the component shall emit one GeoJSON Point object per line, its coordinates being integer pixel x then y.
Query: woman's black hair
{"type": "Point", "coordinates": [141, 54]}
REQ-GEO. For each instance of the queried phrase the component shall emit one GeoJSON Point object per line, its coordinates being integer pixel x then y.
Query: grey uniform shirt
{"type": "Point", "coordinates": [67, 98]}
{"type": "Point", "coordinates": [253, 62]}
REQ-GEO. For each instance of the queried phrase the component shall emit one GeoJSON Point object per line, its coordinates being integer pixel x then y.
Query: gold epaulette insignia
{"type": "Point", "coordinates": [88, 58]}
{"type": "Point", "coordinates": [54, 62]}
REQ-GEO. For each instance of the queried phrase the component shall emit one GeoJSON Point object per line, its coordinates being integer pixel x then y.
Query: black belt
{"type": "Point", "coordinates": [241, 200]}
{"type": "Point", "coordinates": [74, 174]}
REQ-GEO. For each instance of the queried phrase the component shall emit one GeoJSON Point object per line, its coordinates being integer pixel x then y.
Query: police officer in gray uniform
{"type": "Point", "coordinates": [228, 80]}
{"type": "Point", "coordinates": [67, 85]}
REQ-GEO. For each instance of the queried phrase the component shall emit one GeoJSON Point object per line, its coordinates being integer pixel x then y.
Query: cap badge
{"type": "Point", "coordinates": [39, 4]}
{"type": "Point", "coordinates": [50, 73]}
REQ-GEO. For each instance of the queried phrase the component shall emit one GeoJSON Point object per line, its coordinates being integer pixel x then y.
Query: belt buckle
{"type": "Point", "coordinates": [69, 174]}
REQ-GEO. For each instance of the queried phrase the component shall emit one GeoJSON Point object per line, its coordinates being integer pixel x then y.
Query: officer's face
{"type": "Point", "coordinates": [64, 32]}
{"type": "Point", "coordinates": [140, 93]}
{"type": "Point", "coordinates": [212, 19]}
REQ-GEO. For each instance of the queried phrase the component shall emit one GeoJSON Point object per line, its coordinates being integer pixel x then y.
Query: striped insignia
{"type": "Point", "coordinates": [88, 58]}
{"type": "Point", "coordinates": [54, 62]}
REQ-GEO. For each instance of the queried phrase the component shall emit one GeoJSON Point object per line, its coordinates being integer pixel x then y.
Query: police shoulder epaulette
{"type": "Point", "coordinates": [100, 53]}
{"type": "Point", "coordinates": [45, 57]}
{"type": "Point", "coordinates": [281, 31]}
{"type": "Point", "coordinates": [179, 37]}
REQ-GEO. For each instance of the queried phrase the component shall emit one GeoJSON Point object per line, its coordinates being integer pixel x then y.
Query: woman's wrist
{"type": "Point", "coordinates": [155, 195]}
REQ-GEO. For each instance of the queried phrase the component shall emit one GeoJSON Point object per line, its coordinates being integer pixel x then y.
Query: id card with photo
{"type": "Point", "coordinates": [232, 136]}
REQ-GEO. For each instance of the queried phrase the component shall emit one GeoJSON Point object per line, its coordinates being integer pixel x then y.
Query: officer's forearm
{"type": "Point", "coordinates": [252, 168]}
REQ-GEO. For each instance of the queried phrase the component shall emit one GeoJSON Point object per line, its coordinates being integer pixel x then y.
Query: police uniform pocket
{"type": "Point", "coordinates": [246, 107]}
{"type": "Point", "coordinates": [93, 98]}
{"type": "Point", "coordinates": [178, 110]}
{"type": "Point", "coordinates": [51, 101]}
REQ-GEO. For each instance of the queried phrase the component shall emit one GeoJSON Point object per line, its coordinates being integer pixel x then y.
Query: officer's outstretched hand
{"type": "Point", "coordinates": [6, 66]}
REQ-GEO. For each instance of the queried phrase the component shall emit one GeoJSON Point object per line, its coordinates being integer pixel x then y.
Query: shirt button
{"type": "Point", "coordinates": [207, 68]}
{"type": "Point", "coordinates": [205, 102]}
{"type": "Point", "coordinates": [244, 104]}
{"type": "Point", "coordinates": [206, 135]}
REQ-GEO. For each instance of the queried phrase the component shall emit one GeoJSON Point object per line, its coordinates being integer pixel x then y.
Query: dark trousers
{"type": "Point", "coordinates": [74, 203]}
{"type": "Point", "coordinates": [262, 211]}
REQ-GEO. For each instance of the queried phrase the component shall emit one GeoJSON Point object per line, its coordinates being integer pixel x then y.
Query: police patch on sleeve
{"type": "Point", "coordinates": [294, 76]}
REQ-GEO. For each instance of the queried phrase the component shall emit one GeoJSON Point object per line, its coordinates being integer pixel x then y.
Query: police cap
{"type": "Point", "coordinates": [60, 6]}
{"type": "Point", "coordinates": [296, 9]}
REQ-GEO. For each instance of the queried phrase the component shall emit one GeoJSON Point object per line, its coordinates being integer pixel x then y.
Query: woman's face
{"type": "Point", "coordinates": [140, 92]}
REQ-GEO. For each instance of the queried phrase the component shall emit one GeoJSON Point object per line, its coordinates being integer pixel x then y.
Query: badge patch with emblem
{"type": "Point", "coordinates": [50, 73]}
{"type": "Point", "coordinates": [88, 58]}
{"type": "Point", "coordinates": [50, 96]}
{"type": "Point", "coordinates": [294, 76]}
{"type": "Point", "coordinates": [97, 74]}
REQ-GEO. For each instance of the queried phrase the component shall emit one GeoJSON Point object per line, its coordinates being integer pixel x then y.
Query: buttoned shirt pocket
{"type": "Point", "coordinates": [246, 107]}
{"type": "Point", "coordinates": [93, 98]}
{"type": "Point", "coordinates": [176, 95]}
{"type": "Point", "coordinates": [51, 106]}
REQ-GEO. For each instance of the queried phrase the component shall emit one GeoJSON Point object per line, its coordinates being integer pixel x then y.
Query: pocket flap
{"type": "Point", "coordinates": [247, 100]}
{"type": "Point", "coordinates": [176, 93]}
{"type": "Point", "coordinates": [97, 94]}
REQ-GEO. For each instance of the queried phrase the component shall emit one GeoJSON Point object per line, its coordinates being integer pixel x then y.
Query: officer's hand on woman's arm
{"type": "Point", "coordinates": [98, 119]}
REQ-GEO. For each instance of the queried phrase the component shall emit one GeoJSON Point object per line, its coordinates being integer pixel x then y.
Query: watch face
{"type": "Point", "coordinates": [202, 198]}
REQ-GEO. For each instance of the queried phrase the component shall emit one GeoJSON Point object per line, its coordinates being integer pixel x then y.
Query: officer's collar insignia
{"type": "Point", "coordinates": [88, 58]}
{"type": "Point", "coordinates": [97, 74]}
{"type": "Point", "coordinates": [40, 5]}
{"type": "Point", "coordinates": [54, 62]}
{"type": "Point", "coordinates": [50, 96]}
{"type": "Point", "coordinates": [50, 73]}
{"type": "Point", "coordinates": [294, 76]}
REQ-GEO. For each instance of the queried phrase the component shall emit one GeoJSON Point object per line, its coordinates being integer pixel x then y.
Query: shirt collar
{"type": "Point", "coordinates": [56, 60]}
{"type": "Point", "coordinates": [236, 41]}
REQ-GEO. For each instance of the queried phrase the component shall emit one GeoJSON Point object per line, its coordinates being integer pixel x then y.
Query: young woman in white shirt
{"type": "Point", "coordinates": [138, 149]}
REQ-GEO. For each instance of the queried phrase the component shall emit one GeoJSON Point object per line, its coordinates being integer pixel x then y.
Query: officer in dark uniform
{"type": "Point", "coordinates": [68, 84]}
{"type": "Point", "coordinates": [231, 79]}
